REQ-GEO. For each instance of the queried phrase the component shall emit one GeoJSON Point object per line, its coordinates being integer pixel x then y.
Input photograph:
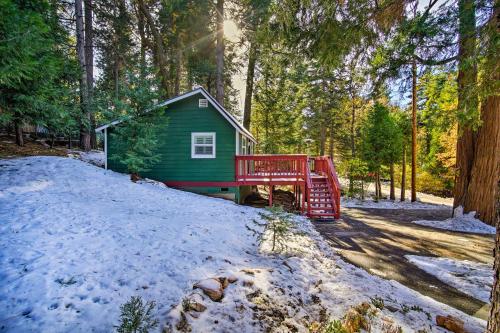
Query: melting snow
{"type": "Point", "coordinates": [460, 222]}
{"type": "Point", "coordinates": [472, 278]}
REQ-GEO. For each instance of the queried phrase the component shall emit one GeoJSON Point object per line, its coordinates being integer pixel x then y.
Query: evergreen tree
{"type": "Point", "coordinates": [138, 136]}
{"type": "Point", "coordinates": [33, 66]}
{"type": "Point", "coordinates": [381, 142]}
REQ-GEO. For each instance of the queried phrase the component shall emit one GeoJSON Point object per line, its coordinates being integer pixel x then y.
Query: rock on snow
{"type": "Point", "coordinates": [77, 241]}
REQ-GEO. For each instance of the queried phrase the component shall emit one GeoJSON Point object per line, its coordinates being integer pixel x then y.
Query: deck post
{"type": "Point", "coordinates": [303, 201]}
{"type": "Point", "coordinates": [271, 195]}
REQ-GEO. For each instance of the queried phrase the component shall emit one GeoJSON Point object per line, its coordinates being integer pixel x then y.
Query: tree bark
{"type": "Point", "coordinates": [178, 70]}
{"type": "Point", "coordinates": [392, 195]}
{"type": "Point", "coordinates": [379, 184]}
{"type": "Point", "coordinates": [485, 170]}
{"type": "Point", "coordinates": [80, 49]}
{"type": "Point", "coordinates": [247, 112]}
{"type": "Point", "coordinates": [414, 132]}
{"type": "Point", "coordinates": [18, 129]}
{"type": "Point", "coordinates": [89, 68]}
{"type": "Point", "coordinates": [403, 176]}
{"type": "Point", "coordinates": [331, 147]}
{"type": "Point", "coordinates": [353, 142]}
{"type": "Point", "coordinates": [142, 35]}
{"type": "Point", "coordinates": [219, 54]}
{"type": "Point", "coordinates": [494, 319]}
{"type": "Point", "coordinates": [322, 139]}
{"type": "Point", "coordinates": [467, 99]}
{"type": "Point", "coordinates": [160, 55]}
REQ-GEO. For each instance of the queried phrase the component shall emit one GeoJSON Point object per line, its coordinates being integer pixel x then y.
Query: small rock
{"type": "Point", "coordinates": [224, 282]}
{"type": "Point", "coordinates": [391, 308]}
{"type": "Point", "coordinates": [212, 288]}
{"type": "Point", "coordinates": [231, 278]}
{"type": "Point", "coordinates": [247, 283]}
{"type": "Point", "coordinates": [250, 271]}
{"type": "Point", "coordinates": [451, 323]}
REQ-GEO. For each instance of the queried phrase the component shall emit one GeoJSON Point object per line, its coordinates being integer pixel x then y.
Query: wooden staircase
{"type": "Point", "coordinates": [323, 189]}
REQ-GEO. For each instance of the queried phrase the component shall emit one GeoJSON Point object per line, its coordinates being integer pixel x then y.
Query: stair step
{"type": "Point", "coordinates": [323, 215]}
{"type": "Point", "coordinates": [322, 209]}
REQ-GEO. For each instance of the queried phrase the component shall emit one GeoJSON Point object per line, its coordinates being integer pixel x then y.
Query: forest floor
{"type": "Point", "coordinates": [379, 241]}
{"type": "Point", "coordinates": [9, 149]}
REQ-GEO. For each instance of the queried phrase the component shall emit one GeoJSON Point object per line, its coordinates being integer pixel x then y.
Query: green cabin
{"type": "Point", "coordinates": [198, 146]}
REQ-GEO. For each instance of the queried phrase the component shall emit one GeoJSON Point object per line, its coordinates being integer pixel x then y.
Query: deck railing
{"type": "Point", "coordinates": [270, 167]}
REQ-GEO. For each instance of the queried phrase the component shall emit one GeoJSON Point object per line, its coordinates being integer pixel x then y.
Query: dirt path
{"type": "Point", "coordinates": [378, 239]}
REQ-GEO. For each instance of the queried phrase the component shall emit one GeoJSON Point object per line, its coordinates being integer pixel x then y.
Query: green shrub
{"type": "Point", "coordinates": [278, 224]}
{"type": "Point", "coordinates": [377, 302]}
{"type": "Point", "coordinates": [334, 326]}
{"type": "Point", "coordinates": [137, 317]}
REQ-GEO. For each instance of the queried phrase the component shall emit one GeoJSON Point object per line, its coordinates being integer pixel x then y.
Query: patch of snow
{"type": "Point", "coordinates": [472, 278]}
{"type": "Point", "coordinates": [461, 222]}
{"type": "Point", "coordinates": [388, 204]}
{"type": "Point", "coordinates": [75, 249]}
{"type": "Point", "coordinates": [96, 157]}
{"type": "Point", "coordinates": [421, 197]}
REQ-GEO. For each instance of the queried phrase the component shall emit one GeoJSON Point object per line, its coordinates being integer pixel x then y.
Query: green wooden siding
{"type": "Point", "coordinates": [181, 119]}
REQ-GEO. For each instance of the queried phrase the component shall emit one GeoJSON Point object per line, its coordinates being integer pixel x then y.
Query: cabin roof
{"type": "Point", "coordinates": [229, 117]}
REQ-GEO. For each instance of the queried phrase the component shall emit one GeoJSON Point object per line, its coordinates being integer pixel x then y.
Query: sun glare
{"type": "Point", "coordinates": [231, 30]}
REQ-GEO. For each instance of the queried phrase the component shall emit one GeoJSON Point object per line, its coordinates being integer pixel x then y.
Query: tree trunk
{"type": "Point", "coordinates": [467, 99]}
{"type": "Point", "coordinates": [331, 150]}
{"type": "Point", "coordinates": [392, 195]}
{"type": "Point", "coordinates": [89, 68]}
{"type": "Point", "coordinates": [485, 171]}
{"type": "Point", "coordinates": [379, 185]}
{"type": "Point", "coordinates": [377, 191]}
{"type": "Point", "coordinates": [209, 83]}
{"type": "Point", "coordinates": [142, 35]}
{"type": "Point", "coordinates": [80, 49]}
{"type": "Point", "coordinates": [159, 49]}
{"type": "Point", "coordinates": [247, 113]}
{"type": "Point", "coordinates": [353, 142]}
{"type": "Point", "coordinates": [403, 176]}
{"type": "Point", "coordinates": [219, 54]}
{"type": "Point", "coordinates": [18, 129]}
{"type": "Point", "coordinates": [322, 139]}
{"type": "Point", "coordinates": [178, 71]}
{"type": "Point", "coordinates": [414, 132]}
{"type": "Point", "coordinates": [494, 319]}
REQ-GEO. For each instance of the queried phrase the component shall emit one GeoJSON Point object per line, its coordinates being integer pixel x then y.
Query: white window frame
{"type": "Point", "coordinates": [193, 144]}
{"type": "Point", "coordinates": [203, 103]}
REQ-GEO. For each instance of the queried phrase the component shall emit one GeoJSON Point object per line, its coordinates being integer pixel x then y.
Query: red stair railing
{"type": "Point", "coordinates": [324, 165]}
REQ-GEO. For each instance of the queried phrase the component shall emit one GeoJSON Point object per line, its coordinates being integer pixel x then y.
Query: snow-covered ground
{"type": "Point", "coordinates": [77, 241]}
{"type": "Point", "coordinates": [472, 278]}
{"type": "Point", "coordinates": [424, 200]}
{"type": "Point", "coordinates": [460, 222]}
{"type": "Point", "coordinates": [96, 157]}
{"type": "Point", "coordinates": [389, 204]}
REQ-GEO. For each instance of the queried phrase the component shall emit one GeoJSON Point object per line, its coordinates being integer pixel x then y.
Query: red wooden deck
{"type": "Point", "coordinates": [314, 180]}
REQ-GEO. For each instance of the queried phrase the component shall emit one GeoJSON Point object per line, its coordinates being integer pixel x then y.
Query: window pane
{"type": "Point", "coordinates": [208, 150]}
{"type": "Point", "coordinates": [198, 140]}
{"type": "Point", "coordinates": [209, 140]}
{"type": "Point", "coordinates": [203, 150]}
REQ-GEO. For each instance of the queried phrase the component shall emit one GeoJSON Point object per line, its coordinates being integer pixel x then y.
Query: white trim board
{"type": "Point", "coordinates": [229, 117]}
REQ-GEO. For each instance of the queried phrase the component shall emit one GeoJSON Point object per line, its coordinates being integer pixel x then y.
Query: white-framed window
{"type": "Point", "coordinates": [203, 145]}
{"type": "Point", "coordinates": [203, 103]}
